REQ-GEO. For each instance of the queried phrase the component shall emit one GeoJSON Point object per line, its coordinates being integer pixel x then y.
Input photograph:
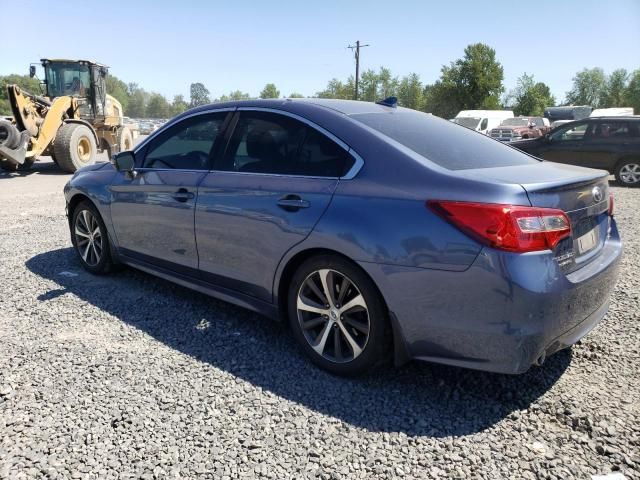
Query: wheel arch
{"type": "Point", "coordinates": [286, 272]}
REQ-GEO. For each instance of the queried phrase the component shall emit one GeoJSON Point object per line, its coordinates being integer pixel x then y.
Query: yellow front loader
{"type": "Point", "coordinates": [72, 122]}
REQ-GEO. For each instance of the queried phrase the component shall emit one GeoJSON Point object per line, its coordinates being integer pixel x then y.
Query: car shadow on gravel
{"type": "Point", "coordinates": [418, 399]}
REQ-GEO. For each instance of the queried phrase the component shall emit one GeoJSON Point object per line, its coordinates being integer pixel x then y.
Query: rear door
{"type": "Point", "coordinates": [265, 195]}
{"type": "Point", "coordinates": [153, 210]}
{"type": "Point", "coordinates": [604, 142]}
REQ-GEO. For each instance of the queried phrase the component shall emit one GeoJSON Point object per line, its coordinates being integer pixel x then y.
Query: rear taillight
{"type": "Point", "coordinates": [611, 204]}
{"type": "Point", "coordinates": [506, 227]}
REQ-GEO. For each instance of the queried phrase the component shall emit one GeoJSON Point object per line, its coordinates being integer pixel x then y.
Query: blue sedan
{"type": "Point", "coordinates": [375, 231]}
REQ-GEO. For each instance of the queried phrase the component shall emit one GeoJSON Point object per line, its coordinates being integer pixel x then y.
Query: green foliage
{"type": "Point", "coordinates": [158, 107]}
{"type": "Point", "coordinates": [632, 92]}
{"type": "Point", "coordinates": [118, 89]}
{"type": "Point", "coordinates": [410, 91]}
{"type": "Point", "coordinates": [296, 95]}
{"type": "Point", "coordinates": [25, 83]}
{"type": "Point", "coordinates": [589, 88]}
{"type": "Point", "coordinates": [235, 95]}
{"type": "Point", "coordinates": [137, 105]}
{"type": "Point", "coordinates": [337, 89]}
{"type": "Point", "coordinates": [377, 86]}
{"type": "Point", "coordinates": [615, 89]}
{"type": "Point", "coordinates": [178, 105]}
{"type": "Point", "coordinates": [472, 82]}
{"type": "Point", "coordinates": [199, 95]}
{"type": "Point", "coordinates": [529, 97]}
{"type": "Point", "coordinates": [270, 91]}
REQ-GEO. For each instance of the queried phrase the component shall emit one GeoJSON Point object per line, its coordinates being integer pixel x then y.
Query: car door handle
{"type": "Point", "coordinates": [292, 203]}
{"type": "Point", "coordinates": [183, 195]}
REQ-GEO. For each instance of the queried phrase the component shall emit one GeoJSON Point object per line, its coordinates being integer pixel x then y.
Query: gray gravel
{"type": "Point", "coordinates": [129, 376]}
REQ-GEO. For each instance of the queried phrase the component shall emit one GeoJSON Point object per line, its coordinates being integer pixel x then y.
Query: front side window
{"type": "Point", "coordinates": [571, 132]}
{"type": "Point", "coordinates": [276, 144]}
{"type": "Point", "coordinates": [187, 145]}
{"type": "Point", "coordinates": [70, 79]}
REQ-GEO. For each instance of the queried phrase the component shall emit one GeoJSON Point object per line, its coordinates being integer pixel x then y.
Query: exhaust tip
{"type": "Point", "coordinates": [540, 360]}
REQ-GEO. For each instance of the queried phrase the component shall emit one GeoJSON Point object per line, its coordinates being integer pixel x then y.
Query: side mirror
{"type": "Point", "coordinates": [32, 71]}
{"type": "Point", "coordinates": [124, 161]}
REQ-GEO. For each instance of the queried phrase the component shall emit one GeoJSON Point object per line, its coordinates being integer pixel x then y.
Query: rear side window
{"type": "Point", "coordinates": [269, 143]}
{"type": "Point", "coordinates": [442, 142]}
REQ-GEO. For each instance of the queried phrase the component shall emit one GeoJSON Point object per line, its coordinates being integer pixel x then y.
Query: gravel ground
{"type": "Point", "coordinates": [129, 376]}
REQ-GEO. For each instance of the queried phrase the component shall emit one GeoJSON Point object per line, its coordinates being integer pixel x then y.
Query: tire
{"type": "Point", "coordinates": [94, 250]}
{"type": "Point", "coordinates": [125, 139]}
{"type": "Point", "coordinates": [8, 167]}
{"type": "Point", "coordinates": [627, 172]}
{"type": "Point", "coordinates": [74, 147]}
{"type": "Point", "coordinates": [368, 328]}
{"type": "Point", "coordinates": [9, 134]}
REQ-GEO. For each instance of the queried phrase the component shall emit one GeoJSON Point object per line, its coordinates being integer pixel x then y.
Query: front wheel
{"type": "Point", "coordinates": [337, 316]}
{"type": "Point", "coordinates": [90, 238]}
{"type": "Point", "coordinates": [74, 147]}
{"type": "Point", "coordinates": [628, 173]}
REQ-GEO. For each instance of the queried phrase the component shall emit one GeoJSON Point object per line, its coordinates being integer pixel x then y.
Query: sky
{"type": "Point", "coordinates": [165, 45]}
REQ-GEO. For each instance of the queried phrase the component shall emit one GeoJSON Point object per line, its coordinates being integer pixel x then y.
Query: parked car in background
{"type": "Point", "coordinates": [518, 128]}
{"type": "Point", "coordinates": [481, 120]}
{"type": "Point", "coordinates": [147, 128]}
{"type": "Point", "coordinates": [613, 112]}
{"type": "Point", "coordinates": [608, 143]}
{"type": "Point", "coordinates": [567, 113]}
{"type": "Point", "coordinates": [370, 228]}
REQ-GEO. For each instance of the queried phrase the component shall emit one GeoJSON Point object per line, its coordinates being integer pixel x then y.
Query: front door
{"type": "Point", "coordinates": [264, 196]}
{"type": "Point", "coordinates": [153, 211]}
{"type": "Point", "coordinates": [566, 145]}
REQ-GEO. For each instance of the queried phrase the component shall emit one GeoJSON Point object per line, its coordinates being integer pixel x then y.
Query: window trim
{"type": "Point", "coordinates": [350, 174]}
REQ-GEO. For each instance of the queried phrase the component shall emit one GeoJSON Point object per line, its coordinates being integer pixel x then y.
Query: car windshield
{"type": "Point", "coordinates": [442, 143]}
{"type": "Point", "coordinates": [515, 122]}
{"type": "Point", "coordinates": [469, 122]}
{"type": "Point", "coordinates": [67, 78]}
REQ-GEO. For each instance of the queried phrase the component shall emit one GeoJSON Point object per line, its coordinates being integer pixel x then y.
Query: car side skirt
{"type": "Point", "coordinates": [245, 301]}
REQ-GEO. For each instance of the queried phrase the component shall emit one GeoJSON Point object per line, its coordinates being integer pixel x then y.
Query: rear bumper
{"type": "Point", "coordinates": [503, 313]}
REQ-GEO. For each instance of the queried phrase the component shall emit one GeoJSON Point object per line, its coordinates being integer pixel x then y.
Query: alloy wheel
{"type": "Point", "coordinates": [630, 173]}
{"type": "Point", "coordinates": [333, 315]}
{"type": "Point", "coordinates": [89, 240]}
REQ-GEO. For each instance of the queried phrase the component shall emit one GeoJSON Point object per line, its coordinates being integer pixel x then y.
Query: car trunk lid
{"type": "Point", "coordinates": [582, 193]}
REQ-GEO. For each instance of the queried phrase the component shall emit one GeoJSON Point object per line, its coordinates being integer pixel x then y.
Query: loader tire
{"type": "Point", "coordinates": [8, 167]}
{"type": "Point", "coordinates": [125, 139]}
{"type": "Point", "coordinates": [9, 134]}
{"type": "Point", "coordinates": [74, 147]}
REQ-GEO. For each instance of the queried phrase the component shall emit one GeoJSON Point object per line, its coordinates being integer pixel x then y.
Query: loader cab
{"type": "Point", "coordinates": [80, 79]}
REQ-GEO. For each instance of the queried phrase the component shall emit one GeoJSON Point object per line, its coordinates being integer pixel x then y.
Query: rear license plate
{"type": "Point", "coordinates": [587, 241]}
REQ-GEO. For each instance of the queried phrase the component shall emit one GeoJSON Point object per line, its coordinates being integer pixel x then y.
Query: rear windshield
{"type": "Point", "coordinates": [444, 143]}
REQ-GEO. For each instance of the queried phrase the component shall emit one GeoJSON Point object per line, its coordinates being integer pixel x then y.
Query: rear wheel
{"type": "Point", "coordinates": [74, 147]}
{"type": "Point", "coordinates": [337, 316]}
{"type": "Point", "coordinates": [9, 134]}
{"type": "Point", "coordinates": [628, 172]}
{"type": "Point", "coordinates": [90, 238]}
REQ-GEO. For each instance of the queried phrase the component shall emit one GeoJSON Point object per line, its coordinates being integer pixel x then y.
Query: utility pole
{"type": "Point", "coordinates": [356, 50]}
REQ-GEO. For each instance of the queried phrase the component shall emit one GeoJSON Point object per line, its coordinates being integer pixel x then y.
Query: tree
{"type": "Point", "coordinates": [235, 95]}
{"type": "Point", "coordinates": [137, 101]}
{"type": "Point", "coordinates": [296, 95]}
{"type": "Point", "coordinates": [632, 92]}
{"type": "Point", "coordinates": [472, 82]}
{"type": "Point", "coordinates": [615, 89]}
{"type": "Point", "coordinates": [529, 97]}
{"type": "Point", "coordinates": [158, 107]}
{"type": "Point", "coordinates": [589, 88]}
{"type": "Point", "coordinates": [337, 89]}
{"type": "Point", "coordinates": [25, 82]}
{"type": "Point", "coordinates": [178, 105]}
{"type": "Point", "coordinates": [270, 91]}
{"type": "Point", "coordinates": [410, 91]}
{"type": "Point", "coordinates": [199, 95]}
{"type": "Point", "coordinates": [118, 89]}
{"type": "Point", "coordinates": [376, 86]}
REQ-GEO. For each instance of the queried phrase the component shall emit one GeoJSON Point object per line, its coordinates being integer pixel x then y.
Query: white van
{"type": "Point", "coordinates": [612, 112]}
{"type": "Point", "coordinates": [482, 120]}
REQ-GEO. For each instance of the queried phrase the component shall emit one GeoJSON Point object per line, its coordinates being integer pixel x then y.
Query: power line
{"type": "Point", "coordinates": [356, 50]}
